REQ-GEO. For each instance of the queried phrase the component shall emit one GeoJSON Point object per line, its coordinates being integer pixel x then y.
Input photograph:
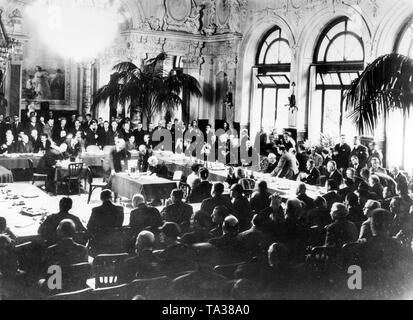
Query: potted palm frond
{"type": "Point", "coordinates": [148, 90]}
{"type": "Point", "coordinates": [384, 86]}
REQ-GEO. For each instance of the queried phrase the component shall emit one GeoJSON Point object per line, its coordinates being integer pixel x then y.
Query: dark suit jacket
{"type": "Point", "coordinates": [201, 192]}
{"type": "Point", "coordinates": [179, 213]}
{"type": "Point", "coordinates": [343, 157]}
{"type": "Point", "coordinates": [209, 204]}
{"type": "Point", "coordinates": [331, 197]}
{"type": "Point", "coordinates": [106, 138]}
{"type": "Point", "coordinates": [66, 252]}
{"type": "Point", "coordinates": [260, 201]}
{"type": "Point", "coordinates": [143, 160]}
{"type": "Point", "coordinates": [313, 176]}
{"type": "Point", "coordinates": [106, 216]}
{"type": "Point", "coordinates": [47, 229]}
{"type": "Point", "coordinates": [341, 232]}
{"type": "Point", "coordinates": [336, 176]}
{"type": "Point", "coordinates": [145, 216]}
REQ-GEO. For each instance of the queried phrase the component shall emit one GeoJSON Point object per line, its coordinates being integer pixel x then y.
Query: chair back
{"type": "Point", "coordinates": [107, 268]}
{"type": "Point", "coordinates": [83, 294]}
{"type": "Point", "coordinates": [321, 257]}
{"type": "Point", "coordinates": [81, 238]}
{"type": "Point", "coordinates": [247, 184]}
{"type": "Point", "coordinates": [75, 170]}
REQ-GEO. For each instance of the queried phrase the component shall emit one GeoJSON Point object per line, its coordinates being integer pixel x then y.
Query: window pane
{"type": "Point", "coordinates": [347, 127]}
{"type": "Point", "coordinates": [348, 78]}
{"type": "Point", "coordinates": [322, 50]}
{"type": "Point", "coordinates": [273, 36]}
{"type": "Point", "coordinates": [268, 114]}
{"type": "Point", "coordinates": [340, 27]}
{"type": "Point", "coordinates": [273, 54]}
{"type": "Point", "coordinates": [319, 79]}
{"type": "Point", "coordinates": [266, 80]}
{"type": "Point", "coordinates": [354, 51]}
{"type": "Point", "coordinates": [408, 157]}
{"type": "Point", "coordinates": [336, 50]}
{"type": "Point", "coordinates": [331, 121]}
{"type": "Point", "coordinates": [285, 53]}
{"type": "Point", "coordinates": [394, 132]}
{"type": "Point", "coordinates": [282, 110]}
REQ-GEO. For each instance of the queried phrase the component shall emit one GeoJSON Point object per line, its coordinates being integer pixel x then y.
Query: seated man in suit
{"type": "Point", "coordinates": [107, 215]}
{"type": "Point", "coordinates": [66, 251]}
{"type": "Point", "coordinates": [176, 257]}
{"type": "Point", "coordinates": [341, 231]}
{"type": "Point", "coordinates": [217, 199]}
{"type": "Point", "coordinates": [47, 229]}
{"type": "Point", "coordinates": [260, 199]}
{"type": "Point", "coordinates": [312, 174]}
{"type": "Point", "coordinates": [333, 174]}
{"type": "Point", "coordinates": [143, 216]}
{"type": "Point", "coordinates": [25, 145]}
{"type": "Point", "coordinates": [178, 212]}
{"type": "Point", "coordinates": [143, 263]}
{"type": "Point", "coordinates": [202, 191]}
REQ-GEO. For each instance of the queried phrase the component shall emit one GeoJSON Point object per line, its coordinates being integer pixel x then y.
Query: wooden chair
{"type": "Point", "coordinates": [36, 176]}
{"type": "Point", "coordinates": [107, 269]}
{"type": "Point", "coordinates": [75, 276]}
{"type": "Point", "coordinates": [321, 257]}
{"type": "Point", "coordinates": [74, 176]}
{"type": "Point", "coordinates": [248, 185]}
{"type": "Point", "coordinates": [84, 294]}
{"type": "Point", "coordinates": [93, 185]}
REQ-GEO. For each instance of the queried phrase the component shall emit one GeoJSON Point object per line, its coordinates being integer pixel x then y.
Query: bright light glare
{"type": "Point", "coordinates": [76, 29]}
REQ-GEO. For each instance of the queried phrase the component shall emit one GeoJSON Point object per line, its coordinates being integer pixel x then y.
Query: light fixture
{"type": "Point", "coordinates": [76, 29]}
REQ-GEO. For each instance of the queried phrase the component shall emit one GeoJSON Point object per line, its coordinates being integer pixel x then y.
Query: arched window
{"type": "Point", "coordinates": [273, 64]}
{"type": "Point", "coordinates": [399, 128]}
{"type": "Point", "coordinates": [339, 59]}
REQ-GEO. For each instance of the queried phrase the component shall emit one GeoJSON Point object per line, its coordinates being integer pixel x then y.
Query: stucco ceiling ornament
{"type": "Point", "coordinates": [183, 15]}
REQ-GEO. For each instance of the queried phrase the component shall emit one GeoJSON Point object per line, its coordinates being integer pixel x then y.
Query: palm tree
{"type": "Point", "coordinates": [149, 90]}
{"type": "Point", "coordinates": [385, 85]}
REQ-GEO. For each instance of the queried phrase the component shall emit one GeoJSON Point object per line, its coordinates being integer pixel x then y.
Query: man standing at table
{"type": "Point", "coordinates": [48, 161]}
{"type": "Point", "coordinates": [119, 154]}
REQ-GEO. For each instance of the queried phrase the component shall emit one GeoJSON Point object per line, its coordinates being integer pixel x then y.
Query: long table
{"type": "Point", "coordinates": [18, 198]}
{"type": "Point", "coordinates": [285, 188]}
{"type": "Point", "coordinates": [151, 187]}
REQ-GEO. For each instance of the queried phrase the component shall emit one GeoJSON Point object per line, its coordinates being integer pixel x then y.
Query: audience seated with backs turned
{"type": "Point", "coordinates": [218, 216]}
{"type": "Point", "coordinates": [202, 191]}
{"type": "Point", "coordinates": [341, 231]}
{"type": "Point", "coordinates": [66, 251]}
{"type": "Point", "coordinates": [383, 260]}
{"type": "Point", "coordinates": [217, 199]}
{"type": "Point", "coordinates": [228, 245]}
{"type": "Point", "coordinates": [142, 263]}
{"type": "Point", "coordinates": [178, 212]}
{"type": "Point", "coordinates": [203, 282]}
{"type": "Point", "coordinates": [176, 257]}
{"type": "Point", "coordinates": [47, 229]}
{"type": "Point", "coordinates": [241, 207]}
{"type": "Point", "coordinates": [200, 226]}
{"type": "Point", "coordinates": [260, 199]}
{"type": "Point", "coordinates": [143, 216]}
